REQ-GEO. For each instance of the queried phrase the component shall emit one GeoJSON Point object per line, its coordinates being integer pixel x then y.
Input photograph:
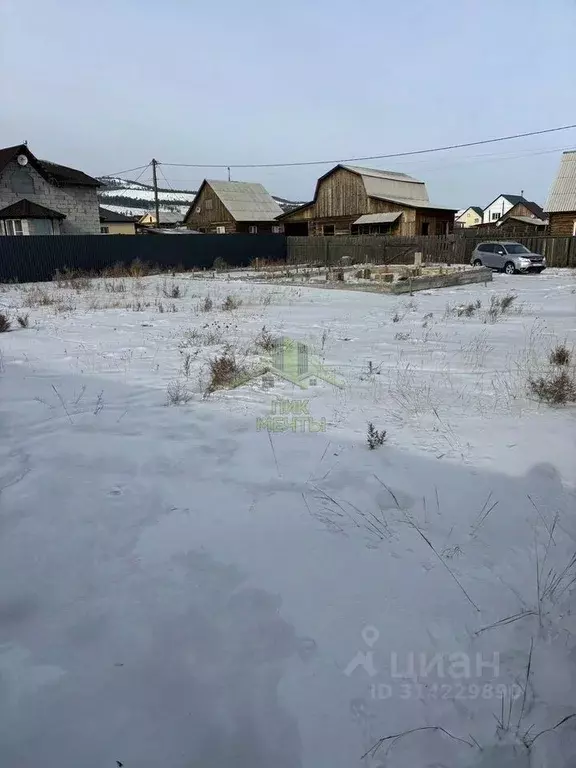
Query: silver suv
{"type": "Point", "coordinates": [508, 256]}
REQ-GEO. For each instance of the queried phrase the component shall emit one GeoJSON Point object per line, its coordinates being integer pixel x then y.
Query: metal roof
{"type": "Point", "coordinates": [533, 220]}
{"type": "Point", "coordinates": [25, 209]}
{"type": "Point", "coordinates": [378, 218]}
{"type": "Point", "coordinates": [562, 196]}
{"type": "Point", "coordinates": [246, 201]}
{"type": "Point", "coordinates": [389, 184]}
{"type": "Point", "coordinates": [412, 203]}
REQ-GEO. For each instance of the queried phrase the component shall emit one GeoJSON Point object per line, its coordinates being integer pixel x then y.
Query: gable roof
{"type": "Point", "coordinates": [390, 186]}
{"type": "Point", "coordinates": [244, 200]}
{"type": "Point", "coordinates": [166, 217]}
{"type": "Point", "coordinates": [476, 208]}
{"type": "Point", "coordinates": [512, 199]}
{"type": "Point", "coordinates": [562, 197]}
{"type": "Point", "coordinates": [25, 209]}
{"type": "Point", "coordinates": [53, 173]}
{"type": "Point", "coordinates": [534, 209]}
{"type": "Point", "coordinates": [114, 217]}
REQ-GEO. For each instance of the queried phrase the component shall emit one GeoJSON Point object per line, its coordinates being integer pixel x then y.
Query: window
{"type": "Point", "coordinates": [40, 227]}
{"type": "Point", "coordinates": [104, 230]}
{"type": "Point", "coordinates": [278, 230]}
{"type": "Point", "coordinates": [494, 216]}
{"type": "Point", "coordinates": [328, 229]}
{"type": "Point", "coordinates": [253, 229]}
{"type": "Point", "coordinates": [425, 228]}
{"type": "Point", "coordinates": [574, 229]}
{"type": "Point", "coordinates": [208, 203]}
{"type": "Point", "coordinates": [516, 248]}
{"type": "Point", "coordinates": [22, 182]}
{"type": "Point", "coordinates": [16, 227]}
{"type": "Point", "coordinates": [220, 230]}
{"type": "Point", "coordinates": [486, 248]}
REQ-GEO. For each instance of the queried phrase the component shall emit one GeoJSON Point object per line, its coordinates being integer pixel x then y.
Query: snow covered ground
{"type": "Point", "coordinates": [181, 586]}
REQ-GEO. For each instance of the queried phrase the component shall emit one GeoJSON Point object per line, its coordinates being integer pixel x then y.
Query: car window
{"type": "Point", "coordinates": [486, 248]}
{"type": "Point", "coordinates": [516, 248]}
{"type": "Point", "coordinates": [499, 248]}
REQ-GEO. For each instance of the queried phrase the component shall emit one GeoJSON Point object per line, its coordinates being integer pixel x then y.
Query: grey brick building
{"type": "Point", "coordinates": [38, 197]}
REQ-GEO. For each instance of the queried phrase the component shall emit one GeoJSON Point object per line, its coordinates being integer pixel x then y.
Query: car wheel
{"type": "Point", "coordinates": [476, 263]}
{"type": "Point", "coordinates": [509, 268]}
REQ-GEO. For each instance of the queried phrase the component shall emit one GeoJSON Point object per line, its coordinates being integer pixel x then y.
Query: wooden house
{"type": "Point", "coordinates": [469, 217]}
{"type": "Point", "coordinates": [561, 203]}
{"type": "Point", "coordinates": [525, 215]}
{"type": "Point", "coordinates": [353, 200]}
{"type": "Point", "coordinates": [228, 207]}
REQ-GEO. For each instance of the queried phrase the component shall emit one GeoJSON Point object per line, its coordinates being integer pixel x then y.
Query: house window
{"type": "Point", "coordinates": [104, 230]}
{"type": "Point", "coordinates": [22, 182]}
{"type": "Point", "coordinates": [16, 227]}
{"type": "Point", "coordinates": [208, 204]}
{"type": "Point", "coordinates": [328, 229]}
{"type": "Point", "coordinates": [425, 228]}
{"type": "Point", "coordinates": [495, 216]}
{"type": "Point", "coordinates": [253, 229]}
{"type": "Point", "coordinates": [220, 230]}
{"type": "Point", "coordinates": [276, 229]}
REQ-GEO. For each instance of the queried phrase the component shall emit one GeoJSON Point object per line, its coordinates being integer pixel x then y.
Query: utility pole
{"type": "Point", "coordinates": [229, 174]}
{"type": "Point", "coordinates": [155, 182]}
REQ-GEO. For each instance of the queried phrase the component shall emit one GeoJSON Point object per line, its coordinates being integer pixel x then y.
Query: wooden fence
{"type": "Point", "coordinates": [384, 249]}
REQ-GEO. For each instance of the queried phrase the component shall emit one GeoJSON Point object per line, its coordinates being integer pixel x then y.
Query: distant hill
{"type": "Point", "coordinates": [133, 198]}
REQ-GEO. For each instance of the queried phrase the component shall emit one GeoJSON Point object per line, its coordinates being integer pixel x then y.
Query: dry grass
{"type": "Point", "coordinates": [174, 291]}
{"type": "Point", "coordinates": [38, 297]}
{"type": "Point", "coordinates": [5, 323]}
{"type": "Point", "coordinates": [265, 340]}
{"type": "Point", "coordinates": [23, 320]}
{"type": "Point", "coordinates": [499, 306]}
{"type": "Point", "coordinates": [560, 355]}
{"type": "Point", "coordinates": [220, 265]}
{"type": "Point", "coordinates": [115, 286]}
{"type": "Point", "coordinates": [231, 302]}
{"type": "Point", "coordinates": [177, 393]}
{"type": "Point", "coordinates": [225, 372]}
{"type": "Point", "coordinates": [557, 387]}
{"type": "Point", "coordinates": [207, 305]}
{"type": "Point", "coordinates": [76, 280]}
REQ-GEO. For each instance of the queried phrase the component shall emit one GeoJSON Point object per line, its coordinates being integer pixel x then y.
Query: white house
{"type": "Point", "coordinates": [500, 207]}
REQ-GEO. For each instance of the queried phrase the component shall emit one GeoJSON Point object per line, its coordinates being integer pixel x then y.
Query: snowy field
{"type": "Point", "coordinates": [183, 587]}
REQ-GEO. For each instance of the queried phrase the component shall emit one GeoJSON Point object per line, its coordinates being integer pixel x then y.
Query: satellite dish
{"type": "Point", "coordinates": [22, 160]}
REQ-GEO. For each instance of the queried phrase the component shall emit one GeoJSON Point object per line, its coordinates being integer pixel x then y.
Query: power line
{"type": "Point", "coordinates": [129, 170]}
{"type": "Point", "coordinates": [377, 157]}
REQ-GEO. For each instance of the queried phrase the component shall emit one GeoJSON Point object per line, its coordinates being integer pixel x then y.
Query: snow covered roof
{"type": "Point", "coordinates": [246, 201]}
{"type": "Point", "coordinates": [562, 197]}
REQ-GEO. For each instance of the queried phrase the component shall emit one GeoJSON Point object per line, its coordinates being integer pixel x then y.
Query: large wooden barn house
{"type": "Point", "coordinates": [353, 200]}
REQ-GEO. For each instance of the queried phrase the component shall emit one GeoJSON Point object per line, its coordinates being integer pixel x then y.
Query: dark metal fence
{"type": "Point", "coordinates": [384, 249]}
{"type": "Point", "coordinates": [30, 259]}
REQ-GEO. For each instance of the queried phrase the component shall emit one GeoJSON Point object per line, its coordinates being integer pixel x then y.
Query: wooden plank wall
{"type": "Point", "coordinates": [383, 249]}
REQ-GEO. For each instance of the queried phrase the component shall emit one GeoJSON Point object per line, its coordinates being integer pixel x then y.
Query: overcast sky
{"type": "Point", "coordinates": [107, 85]}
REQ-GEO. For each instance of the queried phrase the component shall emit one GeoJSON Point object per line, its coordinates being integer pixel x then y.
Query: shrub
{"type": "Point", "coordinates": [173, 291]}
{"type": "Point", "coordinates": [23, 320]}
{"type": "Point", "coordinates": [374, 438]}
{"type": "Point", "coordinates": [265, 340]}
{"type": "Point", "coordinates": [230, 303]}
{"type": "Point", "coordinates": [560, 355]}
{"type": "Point", "coordinates": [220, 265]}
{"type": "Point", "coordinates": [556, 388]}
{"type": "Point", "coordinates": [115, 286]}
{"type": "Point", "coordinates": [499, 305]}
{"type": "Point", "coordinates": [467, 310]}
{"type": "Point", "coordinates": [207, 305]}
{"type": "Point", "coordinates": [177, 393]}
{"type": "Point", "coordinates": [5, 323]}
{"type": "Point", "coordinates": [225, 372]}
